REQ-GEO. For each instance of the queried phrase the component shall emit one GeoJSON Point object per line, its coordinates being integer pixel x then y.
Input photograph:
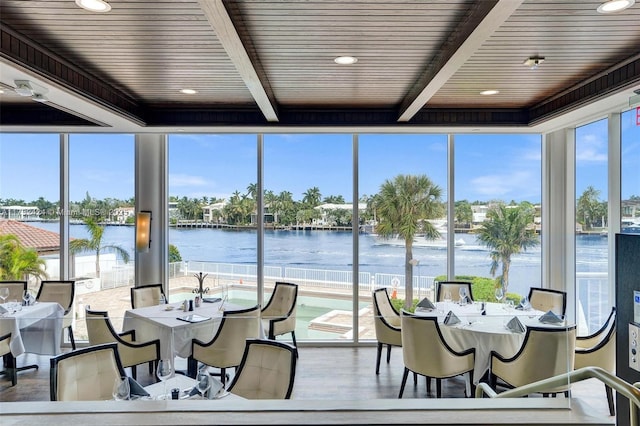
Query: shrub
{"type": "Point", "coordinates": [483, 288]}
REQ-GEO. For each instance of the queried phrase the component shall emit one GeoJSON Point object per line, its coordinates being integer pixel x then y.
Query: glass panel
{"type": "Point", "coordinates": [212, 217]}
{"type": "Point", "coordinates": [30, 195]}
{"type": "Point", "coordinates": [393, 169]}
{"type": "Point", "coordinates": [498, 193]}
{"type": "Point", "coordinates": [308, 240]}
{"type": "Point", "coordinates": [101, 202]}
{"type": "Point", "coordinates": [592, 250]}
{"type": "Point", "coordinates": [630, 169]}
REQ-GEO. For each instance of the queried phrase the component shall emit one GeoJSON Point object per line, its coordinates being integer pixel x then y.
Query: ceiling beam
{"type": "Point", "coordinates": [220, 20]}
{"type": "Point", "coordinates": [483, 20]}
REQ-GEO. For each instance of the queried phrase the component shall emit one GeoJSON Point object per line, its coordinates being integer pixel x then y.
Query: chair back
{"type": "Point", "coordinates": [16, 289]}
{"type": "Point", "coordinates": [5, 345]}
{"type": "Point", "coordinates": [545, 352]}
{"type": "Point", "coordinates": [598, 349]}
{"type": "Point", "coordinates": [267, 371]}
{"type": "Point", "coordinates": [85, 374]}
{"type": "Point", "coordinates": [544, 299]}
{"type": "Point", "coordinates": [99, 328]}
{"type": "Point", "coordinates": [61, 292]}
{"type": "Point", "coordinates": [425, 351]}
{"type": "Point", "coordinates": [227, 346]}
{"type": "Point", "coordinates": [146, 295]}
{"type": "Point", "coordinates": [454, 288]}
{"type": "Point", "coordinates": [385, 315]}
{"type": "Point", "coordinates": [281, 309]}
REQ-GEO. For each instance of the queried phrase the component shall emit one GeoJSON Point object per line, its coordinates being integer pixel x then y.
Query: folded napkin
{"type": "Point", "coordinates": [3, 310]}
{"type": "Point", "coordinates": [550, 318]}
{"type": "Point", "coordinates": [515, 325]}
{"type": "Point", "coordinates": [215, 389]}
{"type": "Point", "coordinates": [451, 319]}
{"type": "Point", "coordinates": [426, 304]}
{"type": "Point", "coordinates": [135, 389]}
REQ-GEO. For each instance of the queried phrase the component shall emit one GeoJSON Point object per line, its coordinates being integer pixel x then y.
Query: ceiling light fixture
{"type": "Point", "coordinates": [99, 6]}
{"type": "Point", "coordinates": [39, 97]}
{"type": "Point", "coordinates": [24, 88]}
{"type": "Point", "coordinates": [345, 60]}
{"type": "Point", "coordinates": [188, 91]}
{"type": "Point", "coordinates": [533, 62]}
{"type": "Point", "coordinates": [612, 6]}
{"type": "Point", "coordinates": [489, 92]}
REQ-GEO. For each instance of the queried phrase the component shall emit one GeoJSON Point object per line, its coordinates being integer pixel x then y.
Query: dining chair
{"type": "Point", "coordinates": [16, 289]}
{"type": "Point", "coordinates": [61, 292]}
{"type": "Point", "coordinates": [226, 348]}
{"type": "Point", "coordinates": [454, 288]}
{"type": "Point", "coordinates": [132, 353]}
{"type": "Point", "coordinates": [85, 374]}
{"type": "Point", "coordinates": [599, 350]}
{"type": "Point", "coordinates": [426, 352]}
{"type": "Point", "coordinates": [387, 324]}
{"type": "Point", "coordinates": [8, 359]}
{"type": "Point", "coordinates": [267, 370]}
{"type": "Point", "coordinates": [147, 295]}
{"type": "Point", "coordinates": [545, 299]}
{"type": "Point", "coordinates": [279, 314]}
{"type": "Point", "coordinates": [545, 352]}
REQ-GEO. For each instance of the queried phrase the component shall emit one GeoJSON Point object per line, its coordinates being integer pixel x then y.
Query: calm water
{"type": "Point", "coordinates": [332, 250]}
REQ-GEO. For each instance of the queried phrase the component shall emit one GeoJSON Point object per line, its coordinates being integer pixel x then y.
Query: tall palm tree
{"type": "Point", "coordinates": [94, 244]}
{"type": "Point", "coordinates": [507, 231]}
{"type": "Point", "coordinates": [17, 261]}
{"type": "Point", "coordinates": [311, 197]}
{"type": "Point", "coordinates": [403, 206]}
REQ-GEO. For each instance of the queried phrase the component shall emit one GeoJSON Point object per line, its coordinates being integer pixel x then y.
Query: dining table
{"type": "Point", "coordinates": [34, 329]}
{"type": "Point", "coordinates": [485, 333]}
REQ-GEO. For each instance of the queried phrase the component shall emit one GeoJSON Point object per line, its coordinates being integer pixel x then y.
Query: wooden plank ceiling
{"type": "Point", "coordinates": [271, 63]}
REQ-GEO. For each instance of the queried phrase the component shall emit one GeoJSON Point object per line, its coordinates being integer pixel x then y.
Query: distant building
{"type": "Point", "coordinates": [213, 212]}
{"type": "Point", "coordinates": [20, 212]}
{"type": "Point", "coordinates": [327, 209]}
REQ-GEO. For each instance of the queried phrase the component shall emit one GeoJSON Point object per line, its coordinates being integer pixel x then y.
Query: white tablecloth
{"type": "Point", "coordinates": [35, 329]}
{"type": "Point", "coordinates": [185, 383]}
{"type": "Point", "coordinates": [486, 333]}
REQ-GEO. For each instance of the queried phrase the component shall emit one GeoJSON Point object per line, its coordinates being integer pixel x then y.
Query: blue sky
{"type": "Point", "coordinates": [505, 167]}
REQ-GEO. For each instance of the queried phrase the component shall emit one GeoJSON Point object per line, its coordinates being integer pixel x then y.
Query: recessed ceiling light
{"type": "Point", "coordinates": [615, 6]}
{"type": "Point", "coordinates": [94, 5]}
{"type": "Point", "coordinates": [188, 91]}
{"type": "Point", "coordinates": [345, 60]}
{"type": "Point", "coordinates": [1, 91]}
{"type": "Point", "coordinates": [490, 92]}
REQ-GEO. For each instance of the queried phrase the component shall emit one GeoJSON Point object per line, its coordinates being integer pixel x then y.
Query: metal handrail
{"type": "Point", "coordinates": [631, 392]}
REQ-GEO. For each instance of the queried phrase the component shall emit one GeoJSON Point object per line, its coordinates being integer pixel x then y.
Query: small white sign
{"type": "Point", "coordinates": [636, 306]}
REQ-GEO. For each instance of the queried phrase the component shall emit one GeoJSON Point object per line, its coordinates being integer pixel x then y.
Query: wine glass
{"type": "Point", "coordinates": [499, 294]}
{"type": "Point", "coordinates": [462, 292]}
{"type": "Point", "coordinates": [164, 371]}
{"type": "Point", "coordinates": [26, 296]}
{"type": "Point", "coordinates": [4, 293]}
{"type": "Point", "coordinates": [121, 390]}
{"type": "Point", "coordinates": [204, 381]}
{"type": "Point", "coordinates": [447, 298]}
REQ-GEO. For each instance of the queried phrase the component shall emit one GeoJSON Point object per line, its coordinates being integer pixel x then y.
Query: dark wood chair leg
{"type": "Point", "coordinates": [438, 388]}
{"type": "Point", "coordinates": [134, 372]}
{"type": "Point", "coordinates": [379, 353]}
{"type": "Point", "coordinates": [404, 381]}
{"type": "Point", "coordinates": [612, 409]}
{"type": "Point", "coordinates": [428, 384]}
{"type": "Point", "coordinates": [388, 353]}
{"type": "Point", "coordinates": [192, 367]}
{"type": "Point", "coordinates": [71, 339]}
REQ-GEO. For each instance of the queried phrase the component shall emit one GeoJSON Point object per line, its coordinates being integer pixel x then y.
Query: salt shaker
{"type": "Point", "coordinates": [191, 305]}
{"type": "Point", "coordinates": [185, 305]}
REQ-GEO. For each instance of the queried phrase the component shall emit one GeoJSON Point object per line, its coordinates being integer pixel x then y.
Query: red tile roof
{"type": "Point", "coordinates": [30, 236]}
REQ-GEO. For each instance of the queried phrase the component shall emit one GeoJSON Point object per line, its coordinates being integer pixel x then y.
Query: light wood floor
{"type": "Point", "coordinates": [344, 373]}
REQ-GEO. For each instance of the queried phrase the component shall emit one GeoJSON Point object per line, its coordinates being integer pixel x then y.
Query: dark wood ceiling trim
{"type": "Point", "coordinates": [34, 114]}
{"type": "Point", "coordinates": [614, 81]}
{"type": "Point", "coordinates": [483, 20]}
{"type": "Point", "coordinates": [221, 23]}
{"type": "Point", "coordinates": [27, 54]}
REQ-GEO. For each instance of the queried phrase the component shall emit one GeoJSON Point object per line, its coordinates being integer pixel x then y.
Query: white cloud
{"type": "Point", "coordinates": [516, 185]}
{"type": "Point", "coordinates": [181, 180]}
{"type": "Point", "coordinates": [590, 148]}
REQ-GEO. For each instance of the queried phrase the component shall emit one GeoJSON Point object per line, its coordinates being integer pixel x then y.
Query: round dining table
{"type": "Point", "coordinates": [487, 332]}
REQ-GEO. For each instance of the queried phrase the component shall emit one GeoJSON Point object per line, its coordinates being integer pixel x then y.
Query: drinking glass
{"type": "Point", "coordinates": [499, 294]}
{"type": "Point", "coordinates": [121, 390]}
{"type": "Point", "coordinates": [4, 293]}
{"type": "Point", "coordinates": [462, 292]}
{"type": "Point", "coordinates": [26, 296]}
{"type": "Point", "coordinates": [204, 381]}
{"type": "Point", "coordinates": [164, 371]}
{"type": "Point", "coordinates": [162, 300]}
{"type": "Point", "coordinates": [447, 298]}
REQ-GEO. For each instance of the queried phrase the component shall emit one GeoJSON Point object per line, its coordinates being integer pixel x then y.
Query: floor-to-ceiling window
{"type": "Point", "coordinates": [591, 234]}
{"type": "Point", "coordinates": [630, 171]}
{"type": "Point", "coordinates": [498, 181]}
{"type": "Point", "coordinates": [212, 216]}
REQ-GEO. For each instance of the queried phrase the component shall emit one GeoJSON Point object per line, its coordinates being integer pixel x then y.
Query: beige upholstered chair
{"type": "Point", "coordinates": [85, 374]}
{"type": "Point", "coordinates": [545, 352]}
{"type": "Point", "coordinates": [454, 288]}
{"type": "Point", "coordinates": [63, 293]}
{"type": "Point", "coordinates": [280, 312]}
{"type": "Point", "coordinates": [8, 358]}
{"type": "Point", "coordinates": [426, 352]}
{"type": "Point", "coordinates": [387, 323]}
{"type": "Point", "coordinates": [544, 299]}
{"type": "Point", "coordinates": [132, 353]}
{"type": "Point", "coordinates": [16, 289]}
{"type": "Point", "coordinates": [227, 346]}
{"type": "Point", "coordinates": [146, 295]}
{"type": "Point", "coordinates": [267, 371]}
{"type": "Point", "coordinates": [599, 350]}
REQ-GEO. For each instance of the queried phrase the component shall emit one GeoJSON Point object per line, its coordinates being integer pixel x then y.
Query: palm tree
{"type": "Point", "coordinates": [403, 206]}
{"type": "Point", "coordinates": [17, 261]}
{"type": "Point", "coordinates": [94, 244]}
{"type": "Point", "coordinates": [507, 231]}
{"type": "Point", "coordinates": [312, 197]}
